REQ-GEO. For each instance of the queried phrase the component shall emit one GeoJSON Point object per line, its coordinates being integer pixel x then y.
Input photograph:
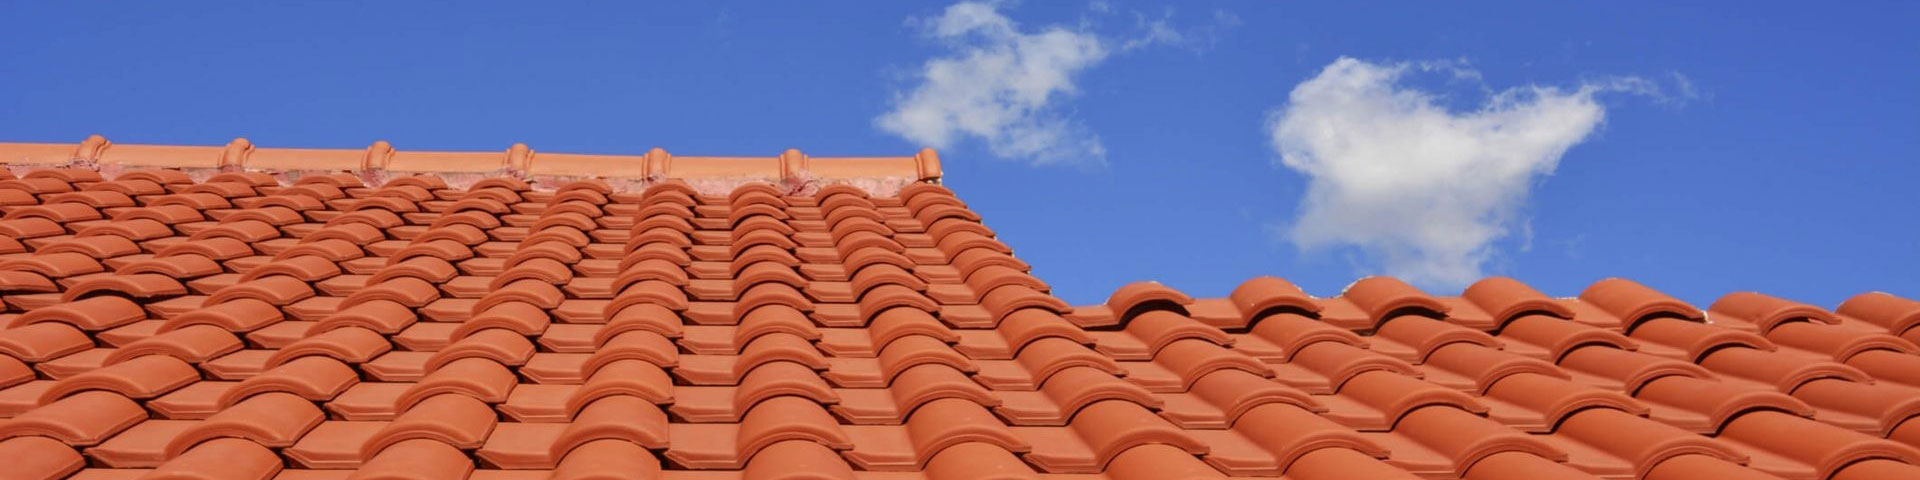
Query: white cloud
{"type": "Point", "coordinates": [1005, 85]}
{"type": "Point", "coordinates": [1424, 193]}
{"type": "Point", "coordinates": [1000, 85]}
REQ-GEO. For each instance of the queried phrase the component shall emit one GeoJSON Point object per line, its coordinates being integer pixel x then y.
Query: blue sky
{"type": "Point", "coordinates": [1697, 149]}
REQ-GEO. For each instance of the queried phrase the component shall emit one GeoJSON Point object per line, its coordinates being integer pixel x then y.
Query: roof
{"type": "Point", "coordinates": [193, 318]}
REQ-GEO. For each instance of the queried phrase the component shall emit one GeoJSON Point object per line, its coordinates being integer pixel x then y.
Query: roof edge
{"type": "Point", "coordinates": [98, 153]}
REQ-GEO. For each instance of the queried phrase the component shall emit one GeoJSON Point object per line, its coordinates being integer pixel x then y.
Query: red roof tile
{"type": "Point", "coordinates": [257, 313]}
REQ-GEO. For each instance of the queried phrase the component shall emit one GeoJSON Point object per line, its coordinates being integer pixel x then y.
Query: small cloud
{"type": "Point", "coordinates": [1420, 191]}
{"type": "Point", "coordinates": [1001, 85]}
{"type": "Point", "coordinates": [1005, 85]}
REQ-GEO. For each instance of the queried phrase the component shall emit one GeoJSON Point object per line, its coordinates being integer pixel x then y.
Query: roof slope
{"type": "Point", "coordinates": [248, 325]}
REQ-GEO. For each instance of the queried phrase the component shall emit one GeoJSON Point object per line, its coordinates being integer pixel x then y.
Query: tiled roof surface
{"type": "Point", "coordinates": [229, 323]}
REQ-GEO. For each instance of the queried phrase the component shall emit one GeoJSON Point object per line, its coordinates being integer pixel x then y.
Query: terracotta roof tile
{"type": "Point", "coordinates": [249, 313]}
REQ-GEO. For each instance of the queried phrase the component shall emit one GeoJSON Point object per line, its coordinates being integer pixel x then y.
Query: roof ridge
{"type": "Point", "coordinates": [98, 153]}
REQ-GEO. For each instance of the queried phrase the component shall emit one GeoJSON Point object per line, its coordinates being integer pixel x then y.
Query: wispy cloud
{"type": "Point", "coordinates": [1005, 85]}
{"type": "Point", "coordinates": [1421, 191]}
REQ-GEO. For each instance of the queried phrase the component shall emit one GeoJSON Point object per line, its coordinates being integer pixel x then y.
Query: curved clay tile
{"type": "Point", "coordinates": [1631, 369]}
{"type": "Point", "coordinates": [1425, 335]}
{"type": "Point", "coordinates": [774, 421]}
{"type": "Point", "coordinates": [563, 220]}
{"type": "Point", "coordinates": [279, 290]}
{"type": "Point", "coordinates": [1839, 342]}
{"type": "Point", "coordinates": [1022, 327]}
{"type": "Point", "coordinates": [768, 294]}
{"type": "Point", "coordinates": [653, 292]}
{"type": "Point", "coordinates": [1487, 366]}
{"type": "Point", "coordinates": [1259, 297]}
{"type": "Point", "coordinates": [1293, 435]}
{"type": "Point", "coordinates": [1784, 371]}
{"type": "Point", "coordinates": [762, 254]}
{"type": "Point", "coordinates": [1506, 299]}
{"type": "Point", "coordinates": [270, 420]}
{"type": "Point", "coordinates": [1556, 336]}
{"type": "Point", "coordinates": [1341, 362]}
{"type": "Point", "coordinates": [1897, 315]}
{"type": "Point", "coordinates": [416, 459]}
{"type": "Point", "coordinates": [943, 229]}
{"type": "Point", "coordinates": [616, 417]}
{"type": "Point", "coordinates": [1684, 467]}
{"type": "Point", "coordinates": [314, 378]}
{"type": "Point", "coordinates": [1634, 303]}
{"type": "Point", "coordinates": [18, 281]}
{"type": "Point", "coordinates": [256, 179]}
{"type": "Point", "coordinates": [1073, 389]}
{"type": "Point", "coordinates": [303, 268]}
{"type": "Point", "coordinates": [90, 314]}
{"type": "Point", "coordinates": [474, 378]}
{"type": "Point", "coordinates": [1395, 395]}
{"type": "Point", "coordinates": [452, 419]}
{"type": "Point", "coordinates": [763, 272]}
{"type": "Point", "coordinates": [354, 233]}
{"type": "Point", "coordinates": [1108, 429]}
{"type": "Point", "coordinates": [866, 279]}
{"type": "Point", "coordinates": [1643, 443]}
{"type": "Point", "coordinates": [943, 424]}
{"type": "Point", "coordinates": [977, 461]}
{"type": "Point", "coordinates": [40, 458]}
{"type": "Point", "coordinates": [1006, 299]}
{"type": "Point", "coordinates": [626, 377]}
{"type": "Point", "coordinates": [140, 285]}
{"type": "Point", "coordinates": [93, 197]}
{"type": "Point", "coordinates": [768, 320]}
{"type": "Point", "coordinates": [887, 296]}
{"type": "Point", "coordinates": [741, 213]}
{"type": "Point", "coordinates": [954, 244]}
{"type": "Point", "coordinates": [925, 383]}
{"type": "Point", "coordinates": [57, 212]}
{"type": "Point", "coordinates": [479, 204]}
{"type": "Point", "coordinates": [1889, 366]}
{"type": "Point", "coordinates": [1465, 439]}
{"type": "Point", "coordinates": [407, 291]}
{"type": "Point", "coordinates": [448, 250]}
{"type": "Point", "coordinates": [988, 277]}
{"type": "Point", "coordinates": [1549, 400]}
{"type": "Point", "coordinates": [138, 229]}
{"type": "Point", "coordinates": [500, 182]}
{"type": "Point", "coordinates": [41, 342]}
{"type": "Point", "coordinates": [250, 231]}
{"type": "Point", "coordinates": [498, 345]}
{"type": "Point", "coordinates": [222, 459]}
{"type": "Point", "coordinates": [1826, 448]}
{"type": "Point", "coordinates": [1192, 359]}
{"type": "Point", "coordinates": [317, 191]}
{"type": "Point", "coordinates": [859, 260]}
{"type": "Point", "coordinates": [919, 350]}
{"type": "Point", "coordinates": [973, 260]}
{"type": "Point", "coordinates": [1048, 356]}
{"type": "Point", "coordinates": [474, 219]}
{"type": "Point", "coordinates": [1236, 392]}
{"type": "Point", "coordinates": [160, 176]}
{"type": "Point", "coordinates": [1130, 298]}
{"type": "Point", "coordinates": [751, 189]}
{"type": "Point", "coordinates": [1293, 332]}
{"type": "Point", "coordinates": [897, 323]}
{"type": "Point", "coordinates": [797, 460]}
{"type": "Point", "coordinates": [98, 247]}
{"type": "Point", "coordinates": [643, 345]}
{"type": "Point", "coordinates": [193, 344]}
{"type": "Point", "coordinates": [746, 225]}
{"type": "Point", "coordinates": [82, 419]}
{"type": "Point", "coordinates": [271, 215]}
{"type": "Point", "coordinates": [429, 269]}
{"type": "Point", "coordinates": [227, 190]}
{"type": "Point", "coordinates": [291, 202]}
{"type": "Point", "coordinates": [639, 317]}
{"type": "Point", "coordinates": [459, 232]}
{"type": "Point", "coordinates": [848, 220]}
{"type": "Point", "coordinates": [607, 460]}
{"type": "Point", "coordinates": [1717, 401]}
{"type": "Point", "coordinates": [830, 191]}
{"type": "Point", "coordinates": [178, 266]}
{"type": "Point", "coordinates": [1765, 312]}
{"type": "Point", "coordinates": [1694, 339]}
{"type": "Point", "coordinates": [519, 318]}
{"type": "Point", "coordinates": [25, 228]}
{"type": "Point", "coordinates": [545, 270]}
{"type": "Point", "coordinates": [140, 378]}
{"type": "Point", "coordinates": [380, 316]}
{"type": "Point", "coordinates": [1886, 406]}
{"type": "Point", "coordinates": [1382, 297]}
{"type": "Point", "coordinates": [54, 265]}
